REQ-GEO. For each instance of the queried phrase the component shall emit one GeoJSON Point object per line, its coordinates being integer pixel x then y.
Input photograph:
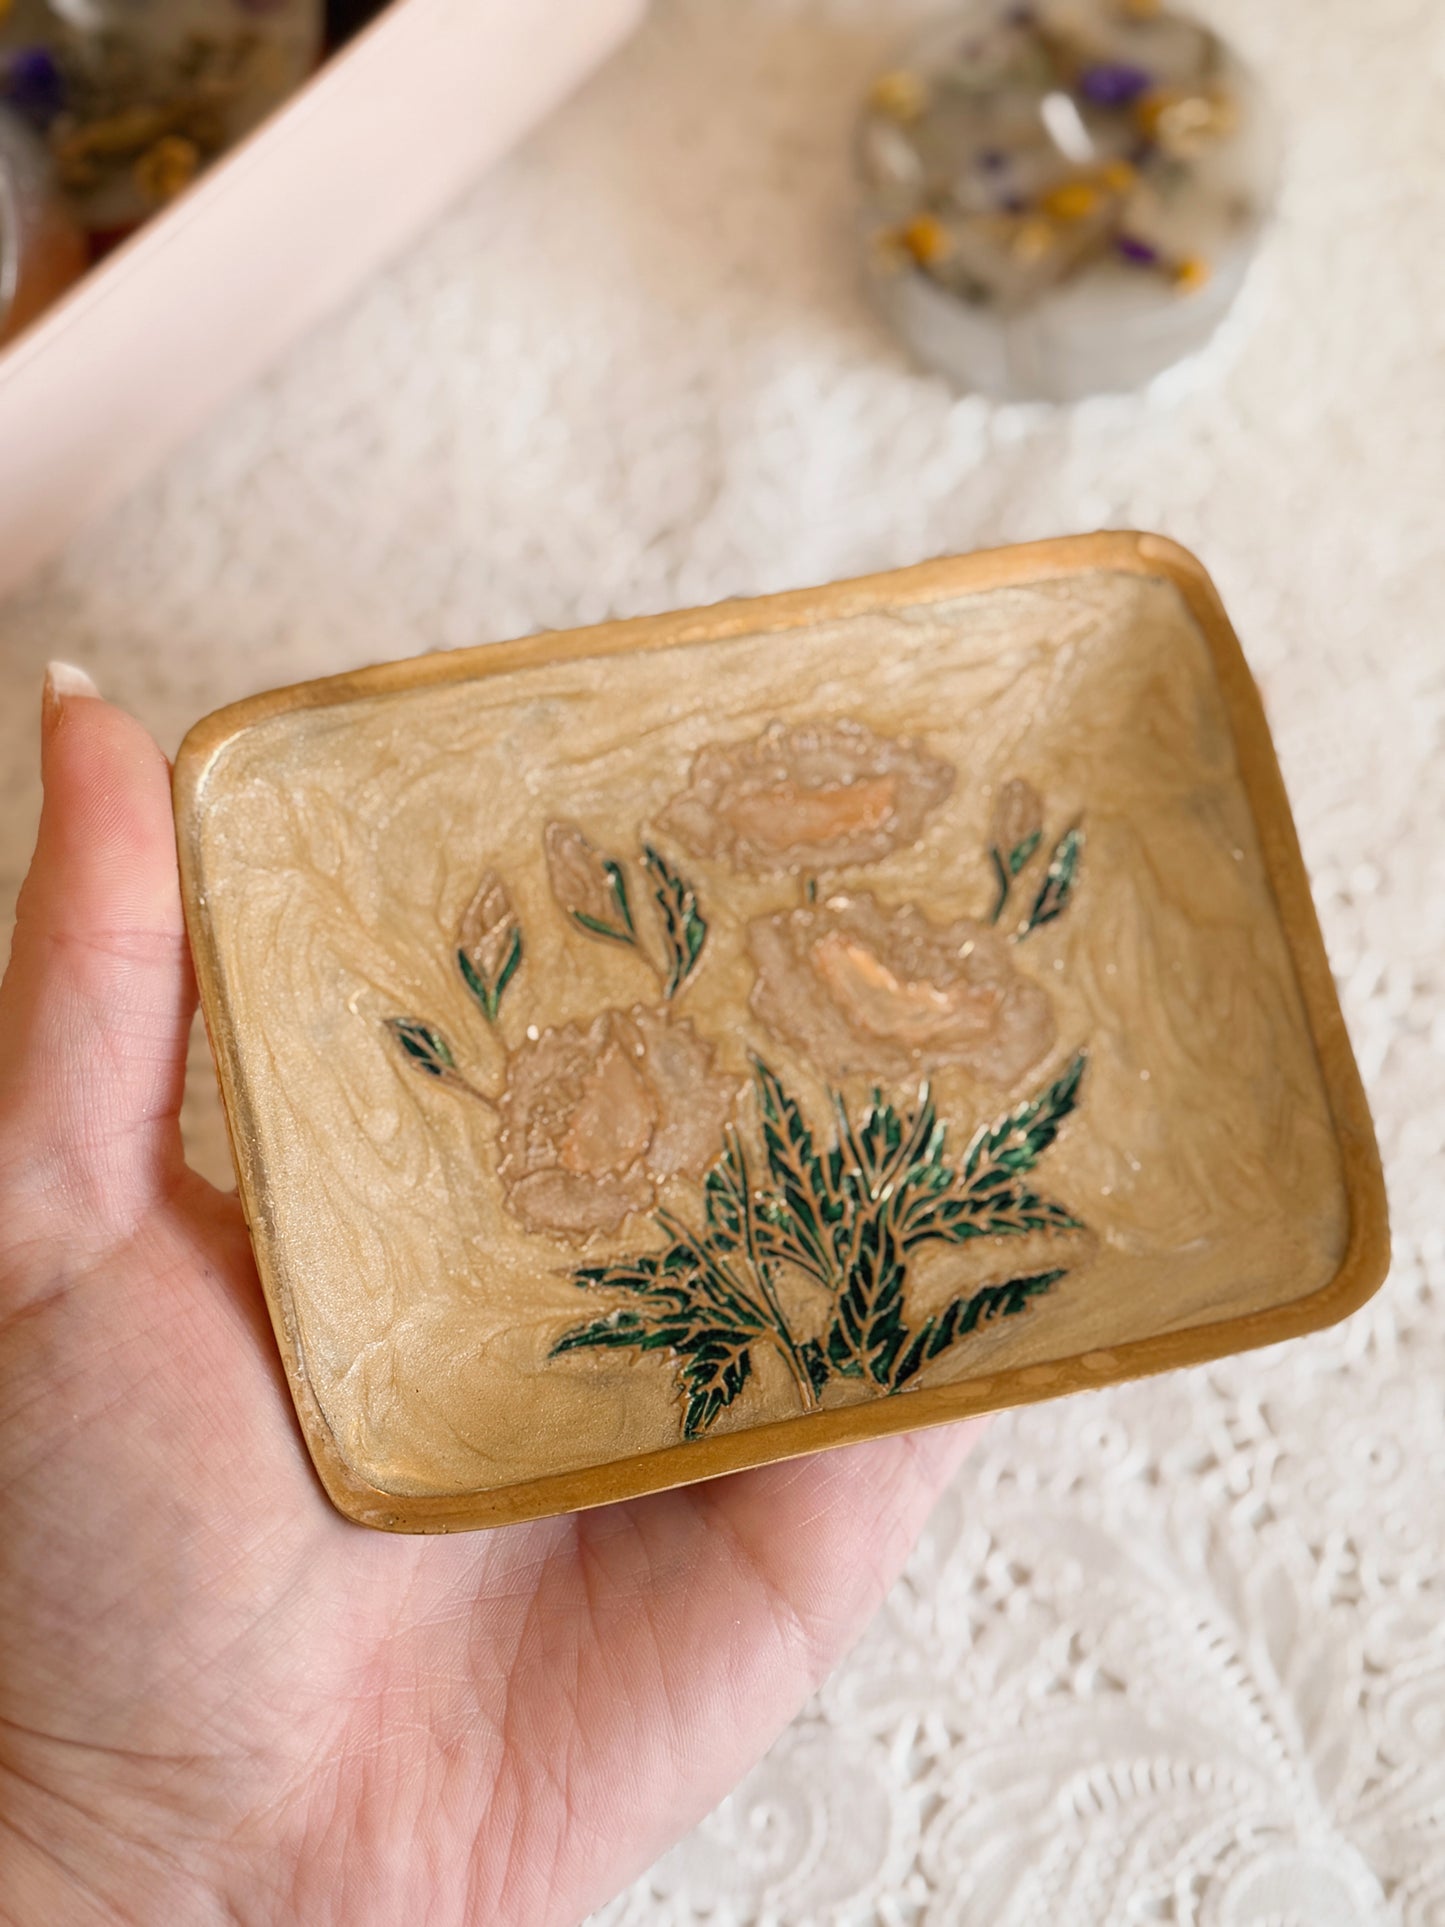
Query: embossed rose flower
{"type": "Point", "coordinates": [861, 988]}
{"type": "Point", "coordinates": [815, 796]}
{"type": "Point", "coordinates": [595, 1120]}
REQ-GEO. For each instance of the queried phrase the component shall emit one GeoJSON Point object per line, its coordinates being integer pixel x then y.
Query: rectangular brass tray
{"type": "Point", "coordinates": [673, 1046]}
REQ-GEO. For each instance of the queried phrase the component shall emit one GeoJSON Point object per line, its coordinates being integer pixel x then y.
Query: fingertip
{"type": "Point", "coordinates": [106, 854]}
{"type": "Point", "coordinates": [96, 1006]}
{"type": "Point", "coordinates": [62, 681]}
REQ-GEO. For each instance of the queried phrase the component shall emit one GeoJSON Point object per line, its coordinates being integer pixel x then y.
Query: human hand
{"type": "Point", "coordinates": [218, 1700]}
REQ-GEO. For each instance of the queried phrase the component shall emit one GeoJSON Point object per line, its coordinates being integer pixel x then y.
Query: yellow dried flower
{"type": "Point", "coordinates": [900, 95]}
{"type": "Point", "coordinates": [168, 168]}
{"type": "Point", "coordinates": [1033, 240]}
{"type": "Point", "coordinates": [1072, 201]}
{"type": "Point", "coordinates": [1185, 124]}
{"type": "Point", "coordinates": [927, 239]}
{"type": "Point", "coordinates": [1191, 274]}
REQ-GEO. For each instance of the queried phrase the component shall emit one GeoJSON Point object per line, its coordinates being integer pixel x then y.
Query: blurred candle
{"type": "Point", "coordinates": [1061, 198]}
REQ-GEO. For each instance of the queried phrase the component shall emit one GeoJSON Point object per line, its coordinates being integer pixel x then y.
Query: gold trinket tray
{"type": "Point", "coordinates": [677, 1045]}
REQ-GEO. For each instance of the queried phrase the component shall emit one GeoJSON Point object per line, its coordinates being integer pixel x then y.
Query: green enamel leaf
{"type": "Point", "coordinates": [843, 1354]}
{"type": "Point", "coordinates": [714, 1369]}
{"type": "Point", "coordinates": [848, 1219]}
{"type": "Point", "coordinates": [590, 886]}
{"type": "Point", "coordinates": [427, 1048]}
{"type": "Point", "coordinates": [617, 880]}
{"type": "Point", "coordinates": [615, 1330]}
{"type": "Point", "coordinates": [1007, 860]}
{"type": "Point", "coordinates": [816, 1364]}
{"type": "Point", "coordinates": [595, 927]}
{"type": "Point", "coordinates": [1011, 1212]}
{"type": "Point", "coordinates": [797, 1218]}
{"type": "Point", "coordinates": [1019, 1139]}
{"type": "Point", "coordinates": [989, 1198]}
{"type": "Point", "coordinates": [965, 1315]}
{"type": "Point", "coordinates": [725, 1199]}
{"type": "Point", "coordinates": [713, 1355]}
{"type": "Point", "coordinates": [475, 983]}
{"type": "Point", "coordinates": [878, 1155]}
{"type": "Point", "coordinates": [683, 926]}
{"type": "Point", "coordinates": [1021, 852]}
{"type": "Point", "coordinates": [509, 969]}
{"type": "Point", "coordinates": [1059, 879]}
{"type": "Point", "coordinates": [489, 996]}
{"type": "Point", "coordinates": [712, 1276]}
{"type": "Point", "coordinates": [489, 946]}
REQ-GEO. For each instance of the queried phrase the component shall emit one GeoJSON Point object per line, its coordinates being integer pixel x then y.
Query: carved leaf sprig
{"type": "Point", "coordinates": [427, 1051]}
{"type": "Point", "coordinates": [593, 889]}
{"type": "Point", "coordinates": [988, 1198]}
{"type": "Point", "coordinates": [848, 1220]}
{"type": "Point", "coordinates": [1016, 829]}
{"type": "Point", "coordinates": [965, 1315]}
{"type": "Point", "coordinates": [690, 1307]}
{"type": "Point", "coordinates": [427, 1048]}
{"type": "Point", "coordinates": [683, 926]}
{"type": "Point", "coordinates": [1015, 835]}
{"type": "Point", "coordinates": [797, 1219]}
{"type": "Point", "coordinates": [590, 887]}
{"type": "Point", "coordinates": [489, 952]}
{"type": "Point", "coordinates": [1059, 879]}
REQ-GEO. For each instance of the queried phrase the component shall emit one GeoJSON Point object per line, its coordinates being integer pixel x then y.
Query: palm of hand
{"type": "Point", "coordinates": [219, 1700]}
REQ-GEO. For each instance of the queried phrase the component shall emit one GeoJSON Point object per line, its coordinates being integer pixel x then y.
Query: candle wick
{"type": "Point", "coordinates": [1066, 129]}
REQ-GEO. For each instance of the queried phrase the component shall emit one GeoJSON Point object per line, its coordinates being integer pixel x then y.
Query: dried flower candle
{"type": "Point", "coordinates": [1061, 199]}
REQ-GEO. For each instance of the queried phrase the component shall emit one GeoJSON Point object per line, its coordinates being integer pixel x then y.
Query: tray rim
{"type": "Point", "coordinates": [1365, 1260]}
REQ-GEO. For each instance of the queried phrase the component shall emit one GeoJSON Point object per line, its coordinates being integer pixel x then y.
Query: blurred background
{"type": "Point", "coordinates": [1173, 1653]}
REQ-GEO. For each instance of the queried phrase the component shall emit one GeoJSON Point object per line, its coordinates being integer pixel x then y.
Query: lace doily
{"type": "Point", "coordinates": [1173, 1655]}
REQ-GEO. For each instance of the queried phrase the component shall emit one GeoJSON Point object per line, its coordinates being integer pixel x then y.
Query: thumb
{"type": "Point", "coordinates": [96, 1006]}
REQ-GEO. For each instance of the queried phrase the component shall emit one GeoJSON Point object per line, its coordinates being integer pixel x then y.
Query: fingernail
{"type": "Point", "coordinates": [62, 681]}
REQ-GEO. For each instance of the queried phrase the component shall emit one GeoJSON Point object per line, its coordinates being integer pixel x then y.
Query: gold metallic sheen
{"type": "Point", "coordinates": [393, 1441]}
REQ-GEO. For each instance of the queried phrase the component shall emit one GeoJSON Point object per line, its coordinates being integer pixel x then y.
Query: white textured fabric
{"type": "Point", "coordinates": [1173, 1655]}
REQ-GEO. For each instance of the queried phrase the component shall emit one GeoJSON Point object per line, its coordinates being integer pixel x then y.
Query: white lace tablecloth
{"type": "Point", "coordinates": [1173, 1655]}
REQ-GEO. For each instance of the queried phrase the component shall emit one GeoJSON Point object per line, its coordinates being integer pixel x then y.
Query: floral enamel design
{"type": "Point", "coordinates": [819, 796]}
{"type": "Point", "coordinates": [798, 1240]}
{"type": "Point", "coordinates": [594, 1121]}
{"type": "Point", "coordinates": [858, 988]}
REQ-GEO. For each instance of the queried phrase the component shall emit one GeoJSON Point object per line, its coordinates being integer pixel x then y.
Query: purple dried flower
{"type": "Point", "coordinates": [1114, 84]}
{"type": "Point", "coordinates": [32, 84]}
{"type": "Point", "coordinates": [1133, 249]}
{"type": "Point", "coordinates": [993, 160]}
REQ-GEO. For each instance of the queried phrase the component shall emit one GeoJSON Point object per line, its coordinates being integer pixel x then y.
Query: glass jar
{"type": "Point", "coordinates": [41, 248]}
{"type": "Point", "coordinates": [135, 97]}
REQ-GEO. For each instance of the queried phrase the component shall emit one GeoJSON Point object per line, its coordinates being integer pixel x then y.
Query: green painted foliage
{"type": "Point", "coordinates": [848, 1219]}
{"type": "Point", "coordinates": [1059, 880]}
{"type": "Point", "coordinates": [489, 996]}
{"type": "Point", "coordinates": [683, 925]}
{"type": "Point", "coordinates": [427, 1049]}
